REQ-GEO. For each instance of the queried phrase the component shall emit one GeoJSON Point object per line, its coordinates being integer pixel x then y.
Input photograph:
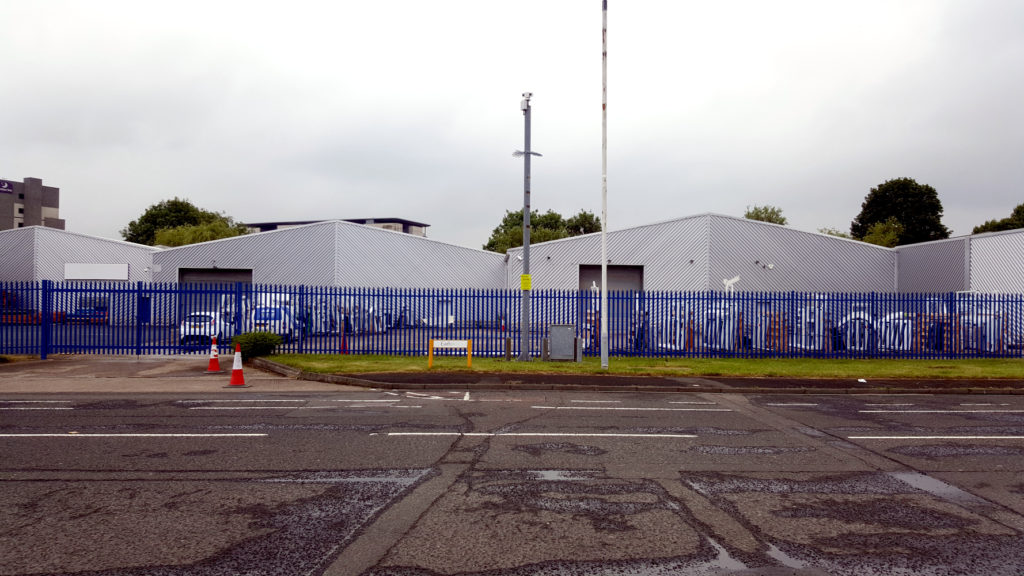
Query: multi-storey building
{"type": "Point", "coordinates": [29, 203]}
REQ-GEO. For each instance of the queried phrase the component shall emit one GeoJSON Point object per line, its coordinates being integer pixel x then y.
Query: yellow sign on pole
{"type": "Point", "coordinates": [526, 282]}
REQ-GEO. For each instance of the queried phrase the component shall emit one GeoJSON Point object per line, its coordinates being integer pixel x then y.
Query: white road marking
{"type": "Point", "coordinates": [941, 411]}
{"type": "Point", "coordinates": [540, 435]}
{"type": "Point", "coordinates": [935, 437]}
{"type": "Point", "coordinates": [791, 404]}
{"type": "Point", "coordinates": [888, 404]}
{"type": "Point", "coordinates": [366, 401]}
{"type": "Point", "coordinates": [633, 409]}
{"type": "Point", "coordinates": [264, 407]}
{"type": "Point", "coordinates": [424, 396]}
{"type": "Point", "coordinates": [34, 408]}
{"type": "Point", "coordinates": [216, 401]}
{"type": "Point", "coordinates": [88, 435]}
{"type": "Point", "coordinates": [466, 397]}
{"type": "Point", "coordinates": [36, 401]}
{"type": "Point", "coordinates": [699, 403]}
{"type": "Point", "coordinates": [597, 401]}
{"type": "Point", "coordinates": [498, 400]}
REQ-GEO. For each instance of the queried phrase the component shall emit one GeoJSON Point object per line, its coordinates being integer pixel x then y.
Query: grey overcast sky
{"type": "Point", "coordinates": [307, 110]}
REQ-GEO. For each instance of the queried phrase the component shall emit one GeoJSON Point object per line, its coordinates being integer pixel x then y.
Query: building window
{"type": "Point", "coordinates": [21, 210]}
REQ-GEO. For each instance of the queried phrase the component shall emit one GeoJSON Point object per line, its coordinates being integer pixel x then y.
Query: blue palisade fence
{"type": "Point", "coordinates": [43, 318]}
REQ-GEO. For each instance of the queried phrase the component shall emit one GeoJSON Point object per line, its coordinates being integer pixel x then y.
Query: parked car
{"type": "Point", "coordinates": [88, 315]}
{"type": "Point", "coordinates": [277, 319]}
{"type": "Point", "coordinates": [201, 327]}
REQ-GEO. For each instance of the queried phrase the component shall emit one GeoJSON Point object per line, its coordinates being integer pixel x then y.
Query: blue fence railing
{"type": "Point", "coordinates": [42, 318]}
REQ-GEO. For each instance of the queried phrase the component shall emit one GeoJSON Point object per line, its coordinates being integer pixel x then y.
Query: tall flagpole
{"type": "Point", "coordinates": [604, 184]}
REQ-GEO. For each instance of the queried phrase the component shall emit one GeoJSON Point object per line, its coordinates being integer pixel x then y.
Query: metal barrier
{"type": "Point", "coordinates": [42, 318]}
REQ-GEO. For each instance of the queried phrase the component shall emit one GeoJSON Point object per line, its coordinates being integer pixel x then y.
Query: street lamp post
{"type": "Point", "coordinates": [524, 280]}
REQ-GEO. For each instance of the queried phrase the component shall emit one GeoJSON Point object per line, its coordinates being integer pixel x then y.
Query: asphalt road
{"type": "Point", "coordinates": [362, 482]}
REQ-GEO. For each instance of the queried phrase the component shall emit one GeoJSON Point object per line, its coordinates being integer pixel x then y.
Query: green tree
{"type": "Point", "coordinates": [884, 233]}
{"type": "Point", "coordinates": [214, 230]}
{"type": "Point", "coordinates": [916, 207]}
{"type": "Point", "coordinates": [543, 228]}
{"type": "Point", "coordinates": [1015, 220]}
{"type": "Point", "coordinates": [173, 214]}
{"type": "Point", "coordinates": [765, 214]}
{"type": "Point", "coordinates": [583, 223]}
{"type": "Point", "coordinates": [834, 232]}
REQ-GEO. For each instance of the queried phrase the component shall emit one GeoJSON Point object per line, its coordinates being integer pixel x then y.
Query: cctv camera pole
{"type": "Point", "coordinates": [526, 284]}
{"type": "Point", "coordinates": [604, 184]}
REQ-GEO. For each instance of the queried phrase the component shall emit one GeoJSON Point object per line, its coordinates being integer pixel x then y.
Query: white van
{"type": "Point", "coordinates": [277, 319]}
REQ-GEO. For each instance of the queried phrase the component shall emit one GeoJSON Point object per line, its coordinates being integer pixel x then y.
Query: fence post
{"type": "Point", "coordinates": [138, 318]}
{"type": "Point", "coordinates": [47, 319]}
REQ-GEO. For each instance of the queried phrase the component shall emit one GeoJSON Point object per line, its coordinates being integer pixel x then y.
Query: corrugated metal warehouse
{"type": "Point", "coordinates": [992, 262]}
{"type": "Point", "coordinates": [702, 252]}
{"type": "Point", "coordinates": [38, 253]}
{"type": "Point", "coordinates": [333, 253]}
{"type": "Point", "coordinates": [693, 253]}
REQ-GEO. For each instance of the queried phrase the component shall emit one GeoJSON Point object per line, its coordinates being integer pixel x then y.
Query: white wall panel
{"type": "Point", "coordinates": [997, 262]}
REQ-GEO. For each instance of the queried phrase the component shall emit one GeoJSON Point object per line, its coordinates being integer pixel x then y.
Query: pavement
{"type": "Point", "coordinates": [172, 374]}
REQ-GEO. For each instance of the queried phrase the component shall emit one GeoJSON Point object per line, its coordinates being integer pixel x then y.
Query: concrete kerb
{"type": "Point", "coordinates": [495, 384]}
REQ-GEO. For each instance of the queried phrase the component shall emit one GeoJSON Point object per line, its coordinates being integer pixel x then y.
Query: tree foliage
{"type": "Point", "coordinates": [884, 233]}
{"type": "Point", "coordinates": [834, 232]}
{"type": "Point", "coordinates": [1014, 221]}
{"type": "Point", "coordinates": [916, 207]}
{"type": "Point", "coordinates": [543, 228]}
{"type": "Point", "coordinates": [766, 213]}
{"type": "Point", "coordinates": [214, 230]}
{"type": "Point", "coordinates": [179, 213]}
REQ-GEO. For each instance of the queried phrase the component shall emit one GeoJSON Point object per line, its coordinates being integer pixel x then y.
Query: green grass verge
{"type": "Point", "coordinates": [973, 369]}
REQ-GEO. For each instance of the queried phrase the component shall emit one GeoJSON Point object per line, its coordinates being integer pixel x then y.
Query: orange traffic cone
{"type": "Point", "coordinates": [214, 366]}
{"type": "Point", "coordinates": [237, 378]}
{"type": "Point", "coordinates": [344, 343]}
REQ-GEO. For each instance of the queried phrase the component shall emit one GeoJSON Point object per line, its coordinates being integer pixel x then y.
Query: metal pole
{"type": "Point", "coordinates": [525, 282]}
{"type": "Point", "coordinates": [604, 184]}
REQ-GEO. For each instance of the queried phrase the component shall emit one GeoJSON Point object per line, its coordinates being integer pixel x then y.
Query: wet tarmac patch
{"type": "Point", "coordinates": [561, 447]}
{"type": "Point", "coordinates": [937, 451]}
{"type": "Point", "coordinates": [868, 523]}
{"type": "Point", "coordinates": [750, 450]}
{"type": "Point", "coordinates": [301, 536]}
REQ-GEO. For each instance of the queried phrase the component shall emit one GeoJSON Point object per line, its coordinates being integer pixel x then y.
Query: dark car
{"type": "Point", "coordinates": [88, 315]}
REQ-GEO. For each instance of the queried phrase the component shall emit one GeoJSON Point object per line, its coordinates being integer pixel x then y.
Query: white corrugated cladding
{"type": "Point", "coordinates": [997, 262]}
{"type": "Point", "coordinates": [939, 266]}
{"type": "Point", "coordinates": [300, 255]}
{"type": "Point", "coordinates": [339, 253]}
{"type": "Point", "coordinates": [699, 252]}
{"type": "Point", "coordinates": [674, 255]}
{"type": "Point", "coordinates": [774, 258]}
{"type": "Point", "coordinates": [375, 258]}
{"type": "Point", "coordinates": [40, 253]}
{"type": "Point", "coordinates": [17, 255]}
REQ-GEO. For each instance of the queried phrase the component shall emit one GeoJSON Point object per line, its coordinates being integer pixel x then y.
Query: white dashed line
{"type": "Point", "coordinates": [697, 403]}
{"type": "Point", "coordinates": [539, 435]}
{"type": "Point", "coordinates": [935, 437]}
{"type": "Point", "coordinates": [623, 408]}
{"type": "Point", "coordinates": [941, 411]}
{"type": "Point", "coordinates": [182, 435]}
{"type": "Point", "coordinates": [33, 408]}
{"type": "Point", "coordinates": [598, 401]}
{"type": "Point", "coordinates": [791, 404]}
{"type": "Point", "coordinates": [35, 401]}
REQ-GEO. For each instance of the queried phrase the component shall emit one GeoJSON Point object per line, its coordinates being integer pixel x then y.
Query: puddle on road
{"type": "Point", "coordinates": [937, 488]}
{"type": "Point", "coordinates": [783, 558]}
{"type": "Point", "coordinates": [723, 560]}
